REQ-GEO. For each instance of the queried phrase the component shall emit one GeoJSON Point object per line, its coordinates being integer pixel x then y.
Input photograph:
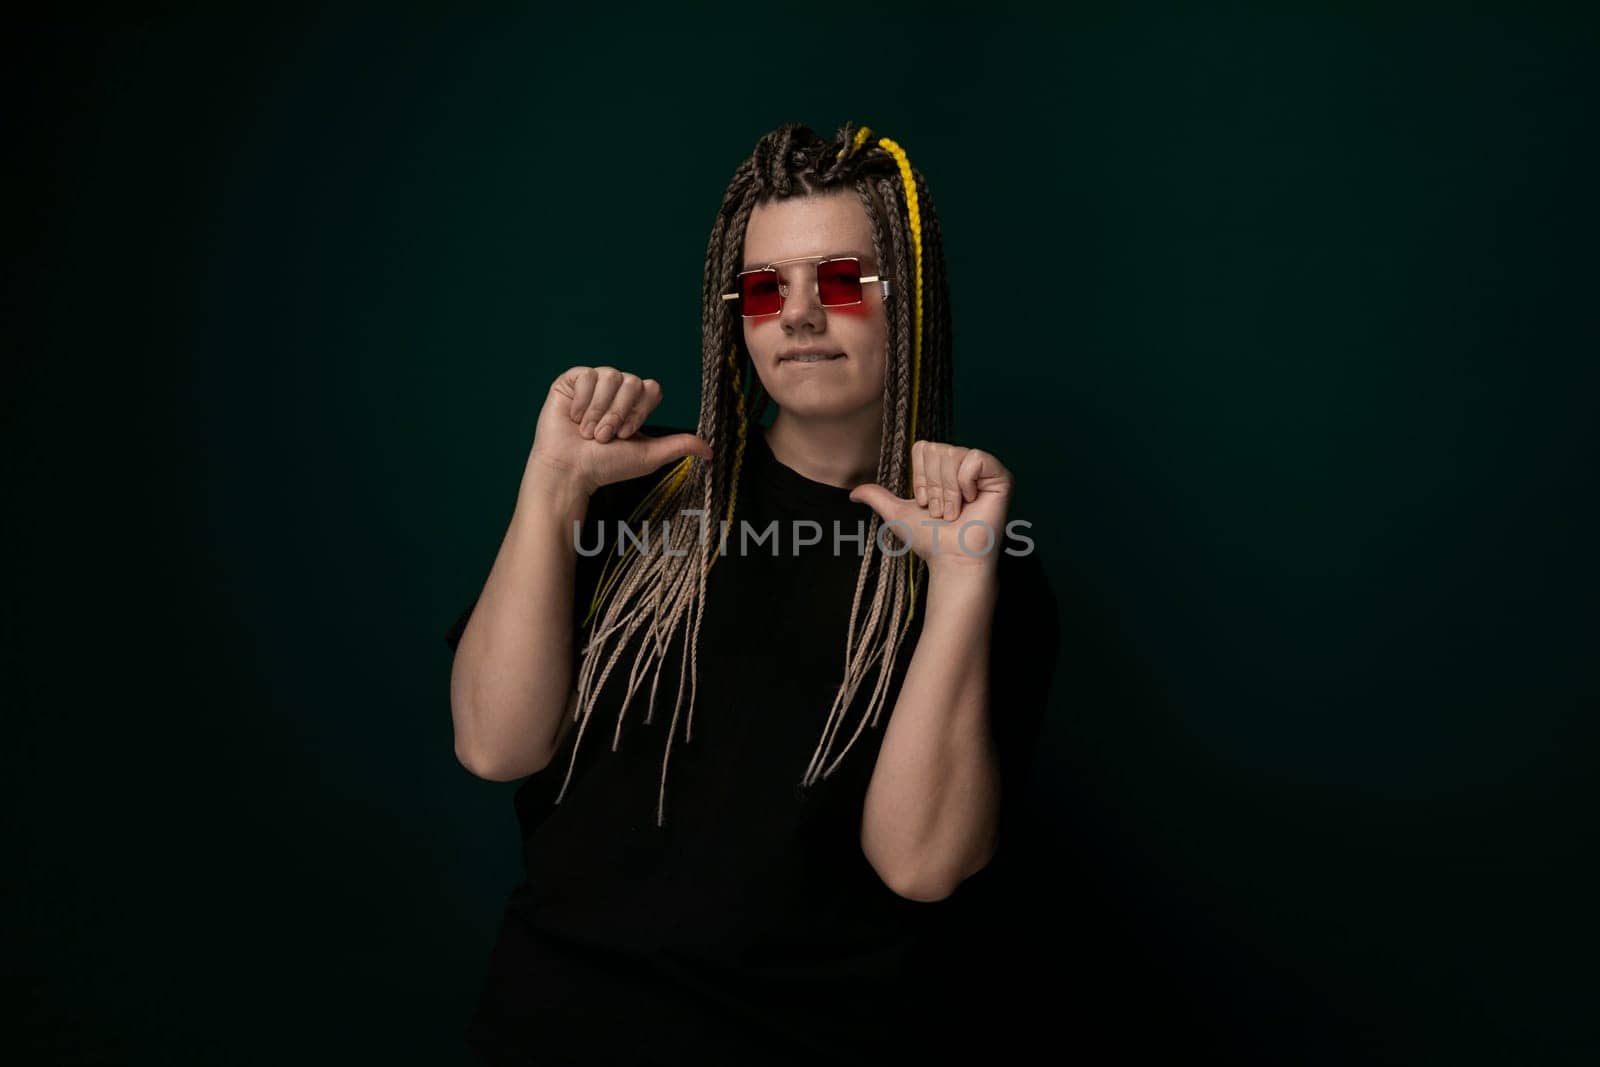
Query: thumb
{"type": "Point", "coordinates": [675, 446]}
{"type": "Point", "coordinates": [879, 499]}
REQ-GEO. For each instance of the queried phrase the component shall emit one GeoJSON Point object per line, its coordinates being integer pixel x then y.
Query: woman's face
{"type": "Point", "coordinates": [833, 224]}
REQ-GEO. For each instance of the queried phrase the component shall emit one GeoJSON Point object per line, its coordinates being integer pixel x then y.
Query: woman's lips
{"type": "Point", "coordinates": [812, 359]}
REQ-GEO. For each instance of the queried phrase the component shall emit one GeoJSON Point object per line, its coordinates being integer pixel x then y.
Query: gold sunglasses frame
{"type": "Point", "coordinates": [783, 286]}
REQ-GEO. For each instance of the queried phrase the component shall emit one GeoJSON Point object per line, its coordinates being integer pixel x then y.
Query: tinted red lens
{"type": "Point", "coordinates": [839, 282]}
{"type": "Point", "coordinates": [758, 293]}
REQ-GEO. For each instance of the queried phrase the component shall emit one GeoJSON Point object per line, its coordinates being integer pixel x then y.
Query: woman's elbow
{"type": "Point", "coordinates": [493, 758]}
{"type": "Point", "coordinates": [495, 766]}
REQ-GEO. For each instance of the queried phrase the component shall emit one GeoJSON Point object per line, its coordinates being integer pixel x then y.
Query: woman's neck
{"type": "Point", "coordinates": [840, 452]}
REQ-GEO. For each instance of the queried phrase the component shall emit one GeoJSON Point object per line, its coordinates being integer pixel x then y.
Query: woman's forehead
{"type": "Point", "coordinates": [804, 227]}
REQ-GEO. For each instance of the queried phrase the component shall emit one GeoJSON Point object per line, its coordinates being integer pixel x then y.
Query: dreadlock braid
{"type": "Point", "coordinates": [655, 594]}
{"type": "Point", "coordinates": [937, 344]}
{"type": "Point", "coordinates": [881, 630]}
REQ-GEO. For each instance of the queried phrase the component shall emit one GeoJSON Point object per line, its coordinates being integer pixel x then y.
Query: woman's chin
{"type": "Point", "coordinates": [821, 402]}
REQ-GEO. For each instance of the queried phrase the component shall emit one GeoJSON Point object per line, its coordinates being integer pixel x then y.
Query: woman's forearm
{"type": "Point", "coordinates": [931, 812]}
{"type": "Point", "coordinates": [512, 678]}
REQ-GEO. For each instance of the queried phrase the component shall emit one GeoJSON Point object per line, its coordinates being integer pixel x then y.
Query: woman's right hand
{"type": "Point", "coordinates": [588, 430]}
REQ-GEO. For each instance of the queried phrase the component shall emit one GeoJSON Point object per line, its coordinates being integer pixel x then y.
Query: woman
{"type": "Point", "coordinates": [749, 788]}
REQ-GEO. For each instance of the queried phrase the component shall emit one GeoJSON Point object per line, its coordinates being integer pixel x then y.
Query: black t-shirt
{"type": "Point", "coordinates": [750, 926]}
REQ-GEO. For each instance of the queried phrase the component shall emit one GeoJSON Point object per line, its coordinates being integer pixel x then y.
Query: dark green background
{"type": "Point", "coordinates": [1285, 323]}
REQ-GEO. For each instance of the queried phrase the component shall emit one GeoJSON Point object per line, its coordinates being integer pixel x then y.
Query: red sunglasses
{"type": "Point", "coordinates": [761, 291]}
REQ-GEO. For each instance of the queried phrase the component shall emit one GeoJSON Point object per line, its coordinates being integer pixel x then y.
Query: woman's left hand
{"type": "Point", "coordinates": [961, 498]}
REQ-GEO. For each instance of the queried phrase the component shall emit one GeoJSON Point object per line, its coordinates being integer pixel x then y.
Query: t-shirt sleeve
{"type": "Point", "coordinates": [1022, 663]}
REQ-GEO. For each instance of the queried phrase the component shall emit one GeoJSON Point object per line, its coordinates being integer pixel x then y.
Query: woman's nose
{"type": "Point", "coordinates": [800, 303]}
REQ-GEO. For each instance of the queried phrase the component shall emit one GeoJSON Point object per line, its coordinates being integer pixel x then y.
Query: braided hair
{"type": "Point", "coordinates": [659, 591]}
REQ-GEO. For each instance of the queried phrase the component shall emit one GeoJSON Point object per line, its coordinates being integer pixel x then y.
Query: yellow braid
{"type": "Point", "coordinates": [914, 214]}
{"type": "Point", "coordinates": [860, 139]}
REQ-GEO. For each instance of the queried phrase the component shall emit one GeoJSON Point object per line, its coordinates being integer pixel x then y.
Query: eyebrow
{"type": "Point", "coordinates": [830, 255]}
